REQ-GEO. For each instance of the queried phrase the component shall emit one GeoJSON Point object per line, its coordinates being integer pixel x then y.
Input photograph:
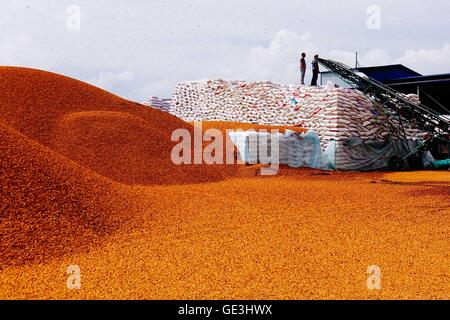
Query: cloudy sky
{"type": "Point", "coordinates": [140, 48]}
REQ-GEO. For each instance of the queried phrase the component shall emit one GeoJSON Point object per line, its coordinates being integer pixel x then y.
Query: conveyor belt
{"type": "Point", "coordinates": [418, 115]}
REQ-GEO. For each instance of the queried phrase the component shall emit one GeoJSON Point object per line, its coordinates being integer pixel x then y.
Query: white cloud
{"type": "Point", "coordinates": [428, 60]}
{"type": "Point", "coordinates": [155, 88]}
{"type": "Point", "coordinates": [376, 57]}
{"type": "Point", "coordinates": [280, 60]}
{"type": "Point", "coordinates": [373, 57]}
{"type": "Point", "coordinates": [162, 42]}
{"type": "Point", "coordinates": [109, 80]}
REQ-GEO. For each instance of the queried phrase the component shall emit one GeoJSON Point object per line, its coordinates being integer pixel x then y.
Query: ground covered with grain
{"type": "Point", "coordinates": [86, 180]}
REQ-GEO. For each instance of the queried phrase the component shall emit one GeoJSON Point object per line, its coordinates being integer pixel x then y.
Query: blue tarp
{"type": "Point", "coordinates": [295, 149]}
{"type": "Point", "coordinates": [304, 150]}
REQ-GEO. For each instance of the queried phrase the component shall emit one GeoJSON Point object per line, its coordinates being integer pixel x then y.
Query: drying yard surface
{"type": "Point", "coordinates": [86, 179]}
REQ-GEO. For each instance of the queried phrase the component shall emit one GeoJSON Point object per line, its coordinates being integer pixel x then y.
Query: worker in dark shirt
{"type": "Point", "coordinates": [315, 70]}
{"type": "Point", "coordinates": [303, 67]}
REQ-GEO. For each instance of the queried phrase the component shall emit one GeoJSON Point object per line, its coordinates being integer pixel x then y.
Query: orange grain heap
{"type": "Point", "coordinates": [64, 148]}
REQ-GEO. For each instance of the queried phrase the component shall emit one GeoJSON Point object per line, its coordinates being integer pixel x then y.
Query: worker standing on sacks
{"type": "Point", "coordinates": [315, 70]}
{"type": "Point", "coordinates": [303, 67]}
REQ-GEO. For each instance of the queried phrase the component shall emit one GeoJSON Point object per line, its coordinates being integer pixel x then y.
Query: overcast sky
{"type": "Point", "coordinates": [140, 48]}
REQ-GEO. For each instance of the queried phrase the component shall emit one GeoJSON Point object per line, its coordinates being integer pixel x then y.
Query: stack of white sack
{"type": "Point", "coordinates": [333, 113]}
{"type": "Point", "coordinates": [414, 98]}
{"type": "Point", "coordinates": [160, 104]}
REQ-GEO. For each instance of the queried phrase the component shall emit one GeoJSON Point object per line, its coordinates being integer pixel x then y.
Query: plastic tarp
{"type": "Point", "coordinates": [428, 160]}
{"type": "Point", "coordinates": [358, 155]}
{"type": "Point", "coordinates": [239, 139]}
{"type": "Point", "coordinates": [329, 156]}
{"type": "Point", "coordinates": [441, 164]}
{"type": "Point", "coordinates": [304, 150]}
{"type": "Point", "coordinates": [294, 149]}
{"type": "Point", "coordinates": [299, 150]}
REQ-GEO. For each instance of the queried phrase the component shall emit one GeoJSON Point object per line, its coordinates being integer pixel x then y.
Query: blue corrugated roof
{"type": "Point", "coordinates": [445, 77]}
{"type": "Point", "coordinates": [383, 73]}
